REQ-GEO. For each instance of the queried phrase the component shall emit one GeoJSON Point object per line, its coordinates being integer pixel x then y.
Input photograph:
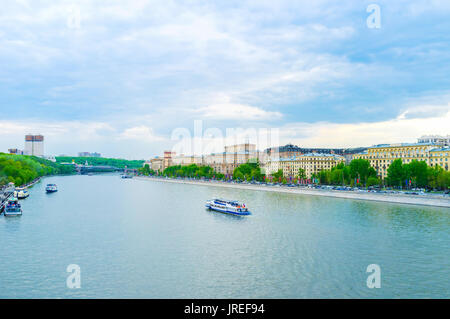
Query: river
{"type": "Point", "coordinates": [136, 238]}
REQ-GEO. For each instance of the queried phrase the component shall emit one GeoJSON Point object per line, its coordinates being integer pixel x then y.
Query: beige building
{"type": "Point", "coordinates": [238, 148]}
{"type": "Point", "coordinates": [168, 155]}
{"type": "Point", "coordinates": [440, 157]}
{"type": "Point", "coordinates": [312, 163]}
{"type": "Point", "coordinates": [225, 163]}
{"type": "Point", "coordinates": [185, 160]}
{"type": "Point", "coordinates": [156, 164]}
{"type": "Point", "coordinates": [381, 156]}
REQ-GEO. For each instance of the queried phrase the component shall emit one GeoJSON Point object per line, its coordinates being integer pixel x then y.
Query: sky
{"type": "Point", "coordinates": [121, 78]}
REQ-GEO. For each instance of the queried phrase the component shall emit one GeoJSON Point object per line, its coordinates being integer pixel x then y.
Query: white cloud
{"type": "Point", "coordinates": [399, 129]}
{"type": "Point", "coordinates": [238, 112]}
{"type": "Point", "coordinates": [141, 133]}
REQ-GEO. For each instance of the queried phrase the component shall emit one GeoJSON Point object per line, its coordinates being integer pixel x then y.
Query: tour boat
{"type": "Point", "coordinates": [51, 188]}
{"type": "Point", "coordinates": [227, 206]}
{"type": "Point", "coordinates": [12, 207]}
{"type": "Point", "coordinates": [21, 193]}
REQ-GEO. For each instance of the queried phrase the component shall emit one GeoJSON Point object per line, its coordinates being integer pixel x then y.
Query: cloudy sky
{"type": "Point", "coordinates": [119, 77]}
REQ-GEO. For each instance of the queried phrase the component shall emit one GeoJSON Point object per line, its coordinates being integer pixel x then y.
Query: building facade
{"type": "Point", "coordinates": [34, 145]}
{"type": "Point", "coordinates": [225, 163]}
{"type": "Point", "coordinates": [157, 164]}
{"type": "Point", "coordinates": [185, 160]}
{"type": "Point", "coordinates": [168, 156]}
{"type": "Point", "coordinates": [312, 163]}
{"type": "Point", "coordinates": [435, 139]}
{"type": "Point", "coordinates": [238, 148]}
{"type": "Point", "coordinates": [381, 156]}
{"type": "Point", "coordinates": [290, 150]}
{"type": "Point", "coordinates": [15, 151]}
{"type": "Point", "coordinates": [440, 157]}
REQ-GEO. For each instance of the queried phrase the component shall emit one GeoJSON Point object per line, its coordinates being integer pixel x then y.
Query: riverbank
{"type": "Point", "coordinates": [390, 198]}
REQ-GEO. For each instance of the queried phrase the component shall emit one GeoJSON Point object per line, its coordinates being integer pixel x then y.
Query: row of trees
{"type": "Point", "coordinates": [21, 169]}
{"type": "Point", "coordinates": [193, 171]}
{"type": "Point", "coordinates": [417, 174]}
{"type": "Point", "coordinates": [249, 171]}
{"type": "Point", "coordinates": [146, 170]}
{"type": "Point", "coordinates": [360, 173]}
{"type": "Point", "coordinates": [100, 161]}
{"type": "Point", "coordinates": [357, 173]}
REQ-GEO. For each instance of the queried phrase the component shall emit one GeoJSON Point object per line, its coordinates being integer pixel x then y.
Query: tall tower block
{"type": "Point", "coordinates": [34, 145]}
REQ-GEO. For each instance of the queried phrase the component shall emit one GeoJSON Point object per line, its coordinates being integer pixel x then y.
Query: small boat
{"type": "Point", "coordinates": [51, 188]}
{"type": "Point", "coordinates": [126, 176]}
{"type": "Point", "coordinates": [227, 206]}
{"type": "Point", "coordinates": [21, 193]}
{"type": "Point", "coordinates": [13, 207]}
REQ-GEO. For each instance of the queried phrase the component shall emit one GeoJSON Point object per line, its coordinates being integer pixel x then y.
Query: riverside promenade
{"type": "Point", "coordinates": [424, 200]}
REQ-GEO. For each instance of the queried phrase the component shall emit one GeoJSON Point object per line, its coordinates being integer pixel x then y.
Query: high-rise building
{"type": "Point", "coordinates": [34, 145]}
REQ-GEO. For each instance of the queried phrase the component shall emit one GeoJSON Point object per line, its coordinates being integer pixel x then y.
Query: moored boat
{"type": "Point", "coordinates": [51, 188]}
{"type": "Point", "coordinates": [13, 207]}
{"type": "Point", "coordinates": [21, 193]}
{"type": "Point", "coordinates": [126, 176]}
{"type": "Point", "coordinates": [227, 206]}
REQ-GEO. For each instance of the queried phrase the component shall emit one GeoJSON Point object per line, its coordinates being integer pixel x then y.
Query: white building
{"type": "Point", "coordinates": [436, 139]}
{"type": "Point", "coordinates": [34, 145]}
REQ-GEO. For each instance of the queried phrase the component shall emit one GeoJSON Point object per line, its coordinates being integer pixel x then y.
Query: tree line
{"type": "Point", "coordinates": [22, 169]}
{"type": "Point", "coordinates": [101, 161]}
{"type": "Point", "coordinates": [358, 173]}
{"type": "Point", "coordinates": [416, 174]}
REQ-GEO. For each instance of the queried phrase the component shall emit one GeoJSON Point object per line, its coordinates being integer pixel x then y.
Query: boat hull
{"type": "Point", "coordinates": [226, 211]}
{"type": "Point", "coordinates": [13, 213]}
{"type": "Point", "coordinates": [22, 195]}
{"type": "Point", "coordinates": [51, 191]}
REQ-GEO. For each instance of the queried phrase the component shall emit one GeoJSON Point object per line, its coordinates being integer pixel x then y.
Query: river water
{"type": "Point", "coordinates": [136, 238]}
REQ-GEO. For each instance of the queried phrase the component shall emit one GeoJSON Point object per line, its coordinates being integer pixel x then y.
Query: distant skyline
{"type": "Point", "coordinates": [118, 78]}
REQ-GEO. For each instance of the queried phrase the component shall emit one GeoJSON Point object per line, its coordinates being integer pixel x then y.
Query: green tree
{"type": "Point", "coordinates": [301, 173]}
{"type": "Point", "coordinates": [278, 174]}
{"type": "Point", "coordinates": [373, 181]}
{"type": "Point", "coordinates": [361, 169]}
{"type": "Point", "coordinates": [417, 172]}
{"type": "Point", "coordinates": [396, 173]}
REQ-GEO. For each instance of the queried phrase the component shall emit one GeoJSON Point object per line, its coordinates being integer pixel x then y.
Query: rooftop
{"type": "Point", "coordinates": [403, 145]}
{"type": "Point", "coordinates": [293, 158]}
{"type": "Point", "coordinates": [440, 149]}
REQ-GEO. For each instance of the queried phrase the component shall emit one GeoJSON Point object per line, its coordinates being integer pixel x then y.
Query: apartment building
{"type": "Point", "coordinates": [312, 163]}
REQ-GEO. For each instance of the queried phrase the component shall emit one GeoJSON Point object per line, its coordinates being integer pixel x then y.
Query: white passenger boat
{"type": "Point", "coordinates": [51, 188]}
{"type": "Point", "coordinates": [227, 206]}
{"type": "Point", "coordinates": [13, 207]}
{"type": "Point", "coordinates": [21, 193]}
